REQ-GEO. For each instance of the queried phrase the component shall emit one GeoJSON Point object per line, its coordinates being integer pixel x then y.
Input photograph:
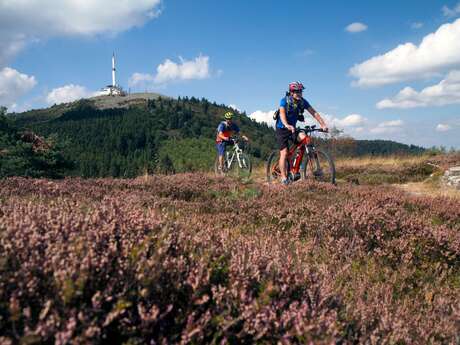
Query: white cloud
{"type": "Point", "coordinates": [68, 93]}
{"type": "Point", "coordinates": [443, 127]}
{"type": "Point", "coordinates": [264, 117]}
{"type": "Point", "coordinates": [13, 85]}
{"type": "Point", "coordinates": [386, 127]}
{"type": "Point", "coordinates": [139, 79]}
{"type": "Point", "coordinates": [233, 106]}
{"type": "Point", "coordinates": [445, 92]}
{"type": "Point", "coordinates": [417, 25]}
{"type": "Point", "coordinates": [451, 12]}
{"type": "Point", "coordinates": [170, 71]}
{"type": "Point", "coordinates": [437, 52]}
{"type": "Point", "coordinates": [185, 70]}
{"type": "Point", "coordinates": [23, 21]}
{"type": "Point", "coordinates": [352, 120]}
{"type": "Point", "coordinates": [356, 27]}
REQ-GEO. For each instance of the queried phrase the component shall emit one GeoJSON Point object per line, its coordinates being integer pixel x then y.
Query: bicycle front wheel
{"type": "Point", "coordinates": [243, 165]}
{"type": "Point", "coordinates": [319, 166]}
{"type": "Point", "coordinates": [273, 171]}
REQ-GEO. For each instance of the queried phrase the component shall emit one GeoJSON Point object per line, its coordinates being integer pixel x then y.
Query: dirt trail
{"type": "Point", "coordinates": [427, 189]}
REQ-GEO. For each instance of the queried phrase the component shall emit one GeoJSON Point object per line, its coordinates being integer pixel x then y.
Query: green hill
{"type": "Point", "coordinates": [23, 153]}
{"type": "Point", "coordinates": [129, 136]}
{"type": "Point", "coordinates": [142, 135]}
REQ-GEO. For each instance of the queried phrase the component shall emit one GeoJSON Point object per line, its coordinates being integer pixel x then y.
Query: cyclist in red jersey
{"type": "Point", "coordinates": [225, 131]}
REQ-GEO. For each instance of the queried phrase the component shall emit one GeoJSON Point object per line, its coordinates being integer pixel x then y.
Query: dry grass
{"type": "Point", "coordinates": [389, 161]}
{"type": "Point", "coordinates": [431, 187]}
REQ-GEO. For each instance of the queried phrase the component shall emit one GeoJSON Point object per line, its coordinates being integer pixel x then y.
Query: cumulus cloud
{"type": "Point", "coordinates": [185, 70]}
{"type": "Point", "coordinates": [451, 12]}
{"type": "Point", "coordinates": [437, 52]}
{"type": "Point", "coordinates": [356, 27]}
{"type": "Point", "coordinates": [443, 127]}
{"type": "Point", "coordinates": [13, 85]}
{"type": "Point", "coordinates": [387, 127]}
{"type": "Point", "coordinates": [140, 79]}
{"type": "Point", "coordinates": [445, 92]}
{"type": "Point", "coordinates": [351, 121]}
{"type": "Point", "coordinates": [23, 21]}
{"type": "Point", "coordinates": [68, 93]}
{"type": "Point", "coordinates": [170, 71]}
{"type": "Point", "coordinates": [264, 117]}
{"type": "Point", "coordinates": [234, 107]}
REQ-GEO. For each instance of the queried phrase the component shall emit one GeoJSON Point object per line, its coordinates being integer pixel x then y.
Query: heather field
{"type": "Point", "coordinates": [191, 258]}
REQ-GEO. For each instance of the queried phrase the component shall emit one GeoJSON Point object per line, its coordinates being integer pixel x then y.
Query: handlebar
{"type": "Point", "coordinates": [311, 129]}
{"type": "Point", "coordinates": [237, 139]}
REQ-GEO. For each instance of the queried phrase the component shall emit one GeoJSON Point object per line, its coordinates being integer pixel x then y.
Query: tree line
{"type": "Point", "coordinates": [158, 136]}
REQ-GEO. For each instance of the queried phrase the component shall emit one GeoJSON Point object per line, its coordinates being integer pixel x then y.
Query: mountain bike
{"type": "Point", "coordinates": [236, 162]}
{"type": "Point", "coordinates": [304, 160]}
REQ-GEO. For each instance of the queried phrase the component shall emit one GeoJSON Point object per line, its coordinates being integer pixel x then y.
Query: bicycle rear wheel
{"type": "Point", "coordinates": [319, 166]}
{"type": "Point", "coordinates": [273, 171]}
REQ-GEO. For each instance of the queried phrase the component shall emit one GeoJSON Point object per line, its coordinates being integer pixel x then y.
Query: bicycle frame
{"type": "Point", "coordinates": [304, 146]}
{"type": "Point", "coordinates": [237, 151]}
{"type": "Point", "coordinates": [295, 156]}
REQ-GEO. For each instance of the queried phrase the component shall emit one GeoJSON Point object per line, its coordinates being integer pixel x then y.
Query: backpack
{"type": "Point", "coordinates": [300, 116]}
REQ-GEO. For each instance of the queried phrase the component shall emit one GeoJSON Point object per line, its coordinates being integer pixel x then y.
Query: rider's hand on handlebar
{"type": "Point", "coordinates": [245, 137]}
{"type": "Point", "coordinates": [325, 129]}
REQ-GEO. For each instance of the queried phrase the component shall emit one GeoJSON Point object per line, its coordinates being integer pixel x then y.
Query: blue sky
{"type": "Point", "coordinates": [244, 53]}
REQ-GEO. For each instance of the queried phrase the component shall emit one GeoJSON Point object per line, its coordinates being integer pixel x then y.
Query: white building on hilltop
{"type": "Point", "coordinates": [114, 89]}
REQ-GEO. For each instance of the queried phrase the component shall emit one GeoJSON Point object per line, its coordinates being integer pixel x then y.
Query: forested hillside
{"type": "Point", "coordinates": [22, 153]}
{"type": "Point", "coordinates": [164, 134]}
{"type": "Point", "coordinates": [159, 135]}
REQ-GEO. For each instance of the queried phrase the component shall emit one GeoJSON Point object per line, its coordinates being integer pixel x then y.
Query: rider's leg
{"type": "Point", "coordinates": [282, 163]}
{"type": "Point", "coordinates": [301, 136]}
{"type": "Point", "coordinates": [282, 137]}
{"type": "Point", "coordinates": [221, 161]}
{"type": "Point", "coordinates": [220, 154]}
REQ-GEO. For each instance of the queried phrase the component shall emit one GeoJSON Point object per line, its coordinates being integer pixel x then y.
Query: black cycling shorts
{"type": "Point", "coordinates": [283, 136]}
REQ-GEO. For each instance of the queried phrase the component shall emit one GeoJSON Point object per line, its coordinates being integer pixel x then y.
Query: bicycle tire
{"type": "Point", "coordinates": [217, 171]}
{"type": "Point", "coordinates": [272, 167]}
{"type": "Point", "coordinates": [321, 169]}
{"type": "Point", "coordinates": [246, 166]}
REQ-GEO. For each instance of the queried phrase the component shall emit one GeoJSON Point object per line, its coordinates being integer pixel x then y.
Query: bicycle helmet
{"type": "Point", "coordinates": [296, 86]}
{"type": "Point", "coordinates": [228, 115]}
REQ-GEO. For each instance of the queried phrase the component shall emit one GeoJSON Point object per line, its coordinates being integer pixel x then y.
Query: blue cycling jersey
{"type": "Point", "coordinates": [293, 110]}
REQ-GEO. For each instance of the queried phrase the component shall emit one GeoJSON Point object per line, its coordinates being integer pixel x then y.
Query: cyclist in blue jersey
{"type": "Point", "coordinates": [290, 111]}
{"type": "Point", "coordinates": [225, 131]}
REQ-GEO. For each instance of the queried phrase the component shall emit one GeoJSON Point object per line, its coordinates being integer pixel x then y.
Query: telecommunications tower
{"type": "Point", "coordinates": [114, 89]}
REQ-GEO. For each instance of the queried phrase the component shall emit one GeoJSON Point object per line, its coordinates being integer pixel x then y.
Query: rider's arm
{"type": "Point", "coordinates": [317, 117]}
{"type": "Point", "coordinates": [283, 119]}
{"type": "Point", "coordinates": [222, 136]}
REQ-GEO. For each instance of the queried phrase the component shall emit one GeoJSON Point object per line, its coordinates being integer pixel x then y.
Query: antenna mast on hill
{"type": "Point", "coordinates": [113, 70]}
{"type": "Point", "coordinates": [114, 89]}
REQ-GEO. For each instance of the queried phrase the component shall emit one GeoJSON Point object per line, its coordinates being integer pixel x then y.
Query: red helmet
{"type": "Point", "coordinates": [296, 86]}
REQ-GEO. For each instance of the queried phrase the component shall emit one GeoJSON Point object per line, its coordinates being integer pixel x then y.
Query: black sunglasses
{"type": "Point", "coordinates": [297, 91]}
